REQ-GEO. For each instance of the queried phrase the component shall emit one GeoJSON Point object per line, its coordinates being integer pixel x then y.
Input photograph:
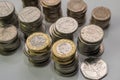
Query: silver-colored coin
{"type": "Point", "coordinates": [94, 69]}
{"type": "Point", "coordinates": [6, 8]}
{"type": "Point", "coordinates": [29, 14]}
{"type": "Point", "coordinates": [66, 25]}
{"type": "Point", "coordinates": [92, 34]}
{"type": "Point", "coordinates": [8, 34]}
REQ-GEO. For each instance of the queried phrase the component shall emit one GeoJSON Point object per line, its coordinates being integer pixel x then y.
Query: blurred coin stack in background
{"type": "Point", "coordinates": [31, 21]}
{"type": "Point", "coordinates": [64, 57]}
{"type": "Point", "coordinates": [30, 3]}
{"type": "Point", "coordinates": [63, 28]}
{"type": "Point", "coordinates": [89, 41]}
{"type": "Point", "coordinates": [37, 48]}
{"type": "Point", "coordinates": [51, 9]}
{"type": "Point", "coordinates": [9, 40]}
{"type": "Point", "coordinates": [7, 14]}
{"type": "Point", "coordinates": [77, 10]}
{"type": "Point", "coordinates": [101, 16]}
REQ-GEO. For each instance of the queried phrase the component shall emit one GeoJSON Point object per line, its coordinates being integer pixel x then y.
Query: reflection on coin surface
{"type": "Point", "coordinates": [29, 14]}
{"type": "Point", "coordinates": [66, 25]}
{"type": "Point", "coordinates": [7, 33]}
{"type": "Point", "coordinates": [6, 8]}
{"type": "Point", "coordinates": [92, 33]}
{"type": "Point", "coordinates": [64, 48]}
{"type": "Point", "coordinates": [51, 2]}
{"type": "Point", "coordinates": [93, 68]}
{"type": "Point", "coordinates": [101, 13]}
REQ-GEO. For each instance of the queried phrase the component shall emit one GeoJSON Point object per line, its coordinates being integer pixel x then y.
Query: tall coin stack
{"type": "Point", "coordinates": [89, 41]}
{"type": "Point", "coordinates": [101, 16]}
{"type": "Point", "coordinates": [31, 21]}
{"type": "Point", "coordinates": [64, 57]}
{"type": "Point", "coordinates": [63, 28]}
{"type": "Point", "coordinates": [7, 14]}
{"type": "Point", "coordinates": [77, 10]}
{"type": "Point", "coordinates": [30, 3]}
{"type": "Point", "coordinates": [9, 40]}
{"type": "Point", "coordinates": [37, 48]}
{"type": "Point", "coordinates": [51, 9]}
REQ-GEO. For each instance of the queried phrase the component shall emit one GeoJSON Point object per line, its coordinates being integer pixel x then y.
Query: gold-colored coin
{"type": "Point", "coordinates": [38, 41]}
{"type": "Point", "coordinates": [64, 48]}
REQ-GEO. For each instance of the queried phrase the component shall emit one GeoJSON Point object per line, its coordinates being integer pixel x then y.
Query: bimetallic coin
{"type": "Point", "coordinates": [64, 48]}
{"type": "Point", "coordinates": [66, 25]}
{"type": "Point", "coordinates": [38, 41]}
{"type": "Point", "coordinates": [6, 8]}
{"type": "Point", "coordinates": [92, 34]}
{"type": "Point", "coordinates": [8, 34]}
{"type": "Point", "coordinates": [101, 13]}
{"type": "Point", "coordinates": [29, 14]}
{"type": "Point", "coordinates": [94, 69]}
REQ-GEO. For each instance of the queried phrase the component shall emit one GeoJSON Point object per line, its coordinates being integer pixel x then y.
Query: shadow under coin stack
{"type": "Point", "coordinates": [9, 40]}
{"type": "Point", "coordinates": [64, 57]}
{"type": "Point", "coordinates": [77, 10]}
{"type": "Point", "coordinates": [7, 14]}
{"type": "Point", "coordinates": [51, 9]}
{"type": "Point", "coordinates": [30, 3]}
{"type": "Point", "coordinates": [37, 48]}
{"type": "Point", "coordinates": [63, 28]}
{"type": "Point", "coordinates": [89, 41]}
{"type": "Point", "coordinates": [31, 21]}
{"type": "Point", "coordinates": [101, 16]}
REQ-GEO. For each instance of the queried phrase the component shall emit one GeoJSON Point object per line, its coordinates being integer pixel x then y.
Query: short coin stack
{"type": "Point", "coordinates": [64, 57]}
{"type": "Point", "coordinates": [7, 14]}
{"type": "Point", "coordinates": [31, 21]}
{"type": "Point", "coordinates": [77, 10]}
{"type": "Point", "coordinates": [51, 9]}
{"type": "Point", "coordinates": [90, 39]}
{"type": "Point", "coordinates": [63, 28]}
{"type": "Point", "coordinates": [30, 3]}
{"type": "Point", "coordinates": [37, 48]}
{"type": "Point", "coordinates": [94, 69]}
{"type": "Point", "coordinates": [9, 40]}
{"type": "Point", "coordinates": [101, 16]}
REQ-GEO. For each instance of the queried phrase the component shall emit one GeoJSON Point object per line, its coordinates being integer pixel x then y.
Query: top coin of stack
{"type": "Point", "coordinates": [63, 28]}
{"type": "Point", "coordinates": [31, 20]}
{"type": "Point", "coordinates": [101, 16]}
{"type": "Point", "coordinates": [7, 14]}
{"type": "Point", "coordinates": [30, 3]}
{"type": "Point", "coordinates": [77, 9]}
{"type": "Point", "coordinates": [51, 9]}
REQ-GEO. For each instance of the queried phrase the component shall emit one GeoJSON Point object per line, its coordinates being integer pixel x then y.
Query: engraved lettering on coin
{"type": "Point", "coordinates": [6, 8]}
{"type": "Point", "coordinates": [66, 25]}
{"type": "Point", "coordinates": [94, 69]}
{"type": "Point", "coordinates": [64, 48]}
{"type": "Point", "coordinates": [38, 41]}
{"type": "Point", "coordinates": [92, 33]}
{"type": "Point", "coordinates": [29, 14]}
{"type": "Point", "coordinates": [7, 33]}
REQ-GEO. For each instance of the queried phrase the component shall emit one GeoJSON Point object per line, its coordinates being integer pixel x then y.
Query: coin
{"type": "Point", "coordinates": [8, 34]}
{"type": "Point", "coordinates": [92, 34]}
{"type": "Point", "coordinates": [71, 24]}
{"type": "Point", "coordinates": [94, 68]}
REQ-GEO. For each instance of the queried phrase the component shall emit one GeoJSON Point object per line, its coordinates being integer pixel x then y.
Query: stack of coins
{"type": "Point", "coordinates": [51, 9]}
{"type": "Point", "coordinates": [63, 28]}
{"type": "Point", "coordinates": [30, 3]}
{"type": "Point", "coordinates": [9, 40]}
{"type": "Point", "coordinates": [37, 48]}
{"type": "Point", "coordinates": [101, 16]}
{"type": "Point", "coordinates": [94, 69]}
{"type": "Point", "coordinates": [77, 10]}
{"type": "Point", "coordinates": [7, 14]}
{"type": "Point", "coordinates": [31, 21]}
{"type": "Point", "coordinates": [64, 57]}
{"type": "Point", "coordinates": [90, 39]}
